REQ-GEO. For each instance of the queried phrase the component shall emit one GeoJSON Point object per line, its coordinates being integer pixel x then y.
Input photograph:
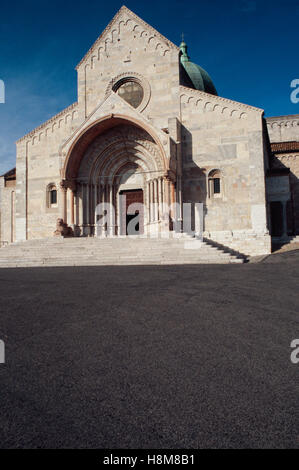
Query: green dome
{"type": "Point", "coordinates": [200, 79]}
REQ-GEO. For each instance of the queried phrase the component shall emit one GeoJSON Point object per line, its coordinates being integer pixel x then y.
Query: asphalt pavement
{"type": "Point", "coordinates": [185, 357]}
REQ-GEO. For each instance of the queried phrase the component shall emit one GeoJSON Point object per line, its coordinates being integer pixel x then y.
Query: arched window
{"type": "Point", "coordinates": [51, 196]}
{"type": "Point", "coordinates": [215, 184]}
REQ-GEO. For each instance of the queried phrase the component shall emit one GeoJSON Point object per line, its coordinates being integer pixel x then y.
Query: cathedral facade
{"type": "Point", "coordinates": [149, 128]}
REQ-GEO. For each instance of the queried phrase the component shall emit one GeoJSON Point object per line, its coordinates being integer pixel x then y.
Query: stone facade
{"type": "Point", "coordinates": [177, 144]}
{"type": "Point", "coordinates": [7, 205]}
{"type": "Point", "coordinates": [282, 178]}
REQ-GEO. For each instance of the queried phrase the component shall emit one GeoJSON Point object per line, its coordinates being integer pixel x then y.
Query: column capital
{"type": "Point", "coordinates": [170, 176]}
{"type": "Point", "coordinates": [63, 185]}
{"type": "Point", "coordinates": [67, 184]}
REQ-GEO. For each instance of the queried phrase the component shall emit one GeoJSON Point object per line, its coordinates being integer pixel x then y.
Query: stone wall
{"type": "Point", "coordinates": [130, 46]}
{"type": "Point", "coordinates": [38, 166]}
{"type": "Point", "coordinates": [291, 161]}
{"type": "Point", "coordinates": [7, 212]}
{"type": "Point", "coordinates": [283, 128]}
{"type": "Point", "coordinates": [223, 135]}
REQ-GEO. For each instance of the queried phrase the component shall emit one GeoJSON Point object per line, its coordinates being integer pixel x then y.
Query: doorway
{"type": "Point", "coordinates": [276, 212]}
{"type": "Point", "coordinates": [132, 218]}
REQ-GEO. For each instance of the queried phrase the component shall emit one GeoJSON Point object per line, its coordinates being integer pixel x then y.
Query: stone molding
{"type": "Point", "coordinates": [124, 17]}
{"type": "Point", "coordinates": [128, 114]}
{"type": "Point", "coordinates": [283, 121]}
{"type": "Point", "coordinates": [224, 106]}
{"type": "Point", "coordinates": [54, 122]}
{"type": "Point", "coordinates": [288, 157]}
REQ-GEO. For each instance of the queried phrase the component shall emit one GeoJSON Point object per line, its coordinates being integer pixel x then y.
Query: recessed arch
{"type": "Point", "coordinates": [87, 136]}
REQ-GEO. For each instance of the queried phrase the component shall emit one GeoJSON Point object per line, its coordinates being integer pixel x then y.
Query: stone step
{"type": "Point", "coordinates": [111, 258]}
{"type": "Point", "coordinates": [111, 262]}
{"type": "Point", "coordinates": [113, 251]}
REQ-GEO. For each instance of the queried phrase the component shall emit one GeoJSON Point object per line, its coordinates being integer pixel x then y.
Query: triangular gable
{"type": "Point", "coordinates": [105, 110]}
{"type": "Point", "coordinates": [125, 14]}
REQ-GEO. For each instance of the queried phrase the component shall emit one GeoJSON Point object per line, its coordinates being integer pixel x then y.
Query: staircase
{"type": "Point", "coordinates": [294, 239]}
{"type": "Point", "coordinates": [113, 251]}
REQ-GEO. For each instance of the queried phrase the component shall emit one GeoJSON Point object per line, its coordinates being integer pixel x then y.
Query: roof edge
{"type": "Point", "coordinates": [109, 26]}
{"type": "Point", "coordinates": [286, 116]}
{"type": "Point", "coordinates": [11, 172]}
{"type": "Point", "coordinates": [44, 124]}
{"type": "Point", "coordinates": [225, 100]}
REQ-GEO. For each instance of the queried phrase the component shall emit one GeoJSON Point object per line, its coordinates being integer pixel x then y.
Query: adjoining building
{"type": "Point", "coordinates": [149, 125]}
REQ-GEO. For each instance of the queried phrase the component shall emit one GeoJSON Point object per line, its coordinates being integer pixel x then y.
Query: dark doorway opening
{"type": "Point", "coordinates": [276, 219]}
{"type": "Point", "coordinates": [132, 212]}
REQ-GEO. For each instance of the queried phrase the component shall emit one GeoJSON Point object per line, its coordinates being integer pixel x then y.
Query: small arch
{"type": "Point", "coordinates": [51, 196]}
{"type": "Point", "coordinates": [215, 184]}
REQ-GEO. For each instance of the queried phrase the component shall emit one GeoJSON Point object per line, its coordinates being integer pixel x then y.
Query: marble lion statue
{"type": "Point", "coordinates": [63, 230]}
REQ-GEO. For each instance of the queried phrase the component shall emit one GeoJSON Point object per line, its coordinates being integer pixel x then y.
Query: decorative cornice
{"type": "Point", "coordinates": [288, 156]}
{"type": "Point", "coordinates": [282, 118]}
{"type": "Point", "coordinates": [50, 121]}
{"type": "Point", "coordinates": [208, 98]}
{"type": "Point", "coordinates": [134, 17]}
{"type": "Point", "coordinates": [283, 121]}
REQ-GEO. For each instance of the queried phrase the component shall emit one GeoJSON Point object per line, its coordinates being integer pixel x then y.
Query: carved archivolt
{"type": "Point", "coordinates": [117, 147]}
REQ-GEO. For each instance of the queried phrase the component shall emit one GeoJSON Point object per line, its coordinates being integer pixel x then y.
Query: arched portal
{"type": "Point", "coordinates": [121, 163]}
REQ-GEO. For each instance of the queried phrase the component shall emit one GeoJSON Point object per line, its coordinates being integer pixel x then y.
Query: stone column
{"type": "Point", "coordinates": [152, 201]}
{"type": "Point", "coordinates": [105, 200]}
{"type": "Point", "coordinates": [80, 199]}
{"type": "Point", "coordinates": [172, 191]}
{"type": "Point", "coordinates": [101, 228]}
{"type": "Point", "coordinates": [147, 212]}
{"type": "Point", "coordinates": [72, 207]}
{"type": "Point", "coordinates": [149, 202]}
{"type": "Point", "coordinates": [172, 202]}
{"type": "Point", "coordinates": [96, 195]}
{"type": "Point", "coordinates": [156, 200]}
{"type": "Point", "coordinates": [166, 191]}
{"type": "Point", "coordinates": [166, 201]}
{"type": "Point", "coordinates": [160, 183]}
{"type": "Point", "coordinates": [63, 188]}
{"type": "Point", "coordinates": [111, 212]}
{"type": "Point", "coordinates": [88, 208]}
{"type": "Point", "coordinates": [96, 200]}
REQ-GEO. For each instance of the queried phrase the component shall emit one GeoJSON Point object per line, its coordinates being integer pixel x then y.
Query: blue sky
{"type": "Point", "coordinates": [250, 48]}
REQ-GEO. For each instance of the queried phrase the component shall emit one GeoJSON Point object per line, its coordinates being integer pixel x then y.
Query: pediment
{"type": "Point", "coordinates": [125, 19]}
{"type": "Point", "coordinates": [112, 111]}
